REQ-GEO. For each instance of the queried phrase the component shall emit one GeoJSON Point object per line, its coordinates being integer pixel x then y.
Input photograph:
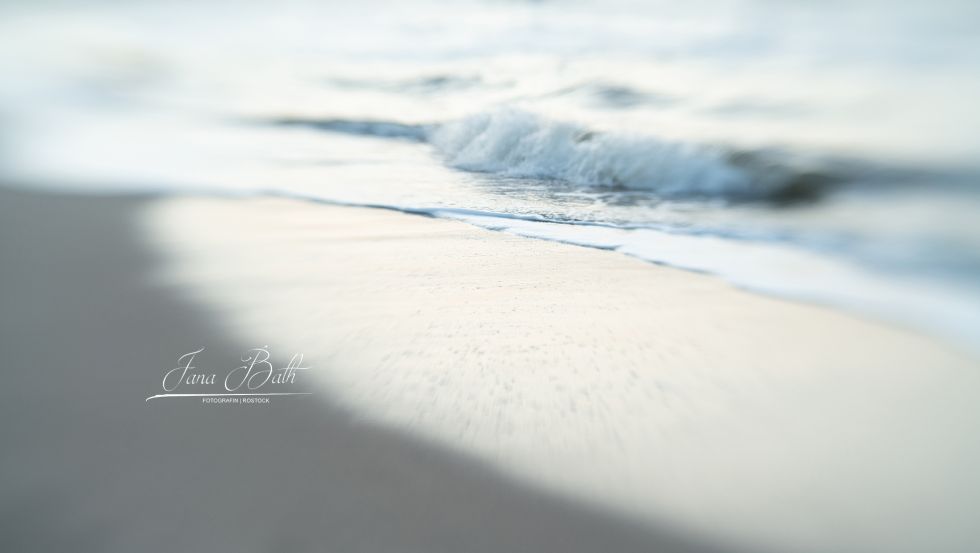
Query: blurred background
{"type": "Point", "coordinates": [827, 152]}
{"type": "Point", "coordinates": [765, 141]}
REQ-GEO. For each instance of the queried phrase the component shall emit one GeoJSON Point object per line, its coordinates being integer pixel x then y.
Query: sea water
{"type": "Point", "coordinates": [824, 151]}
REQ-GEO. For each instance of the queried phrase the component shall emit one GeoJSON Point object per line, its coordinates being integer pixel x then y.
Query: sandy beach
{"type": "Point", "coordinates": [88, 465]}
{"type": "Point", "coordinates": [659, 395]}
{"type": "Point", "coordinates": [472, 391]}
{"type": "Point", "coordinates": [492, 276]}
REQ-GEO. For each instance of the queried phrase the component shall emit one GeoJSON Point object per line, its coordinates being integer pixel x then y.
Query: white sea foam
{"type": "Point", "coordinates": [770, 268]}
{"type": "Point", "coordinates": [516, 143]}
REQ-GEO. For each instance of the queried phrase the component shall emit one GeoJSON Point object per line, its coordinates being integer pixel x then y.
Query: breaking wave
{"type": "Point", "coordinates": [515, 143]}
{"type": "Point", "coordinates": [519, 144]}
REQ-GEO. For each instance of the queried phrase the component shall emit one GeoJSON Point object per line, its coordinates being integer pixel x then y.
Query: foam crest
{"type": "Point", "coordinates": [516, 143]}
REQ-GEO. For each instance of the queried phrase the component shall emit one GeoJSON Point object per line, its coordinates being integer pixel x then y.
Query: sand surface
{"type": "Point", "coordinates": [473, 391]}
{"type": "Point", "coordinates": [88, 465]}
{"type": "Point", "coordinates": [662, 395]}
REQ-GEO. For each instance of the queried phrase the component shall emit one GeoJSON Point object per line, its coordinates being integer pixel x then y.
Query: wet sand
{"type": "Point", "coordinates": [472, 391]}
{"type": "Point", "coordinates": [665, 396]}
{"type": "Point", "coordinates": [86, 330]}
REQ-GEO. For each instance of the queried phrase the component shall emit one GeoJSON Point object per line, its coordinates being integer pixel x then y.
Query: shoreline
{"type": "Point", "coordinates": [666, 396]}
{"type": "Point", "coordinates": [524, 394]}
{"type": "Point", "coordinates": [88, 465]}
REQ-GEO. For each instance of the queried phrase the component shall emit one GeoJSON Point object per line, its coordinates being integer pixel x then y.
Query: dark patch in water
{"type": "Point", "coordinates": [381, 129]}
{"type": "Point", "coordinates": [615, 96]}
{"type": "Point", "coordinates": [803, 188]}
{"type": "Point", "coordinates": [782, 183]}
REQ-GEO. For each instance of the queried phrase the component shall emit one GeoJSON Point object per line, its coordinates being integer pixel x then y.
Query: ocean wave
{"type": "Point", "coordinates": [515, 143]}
{"type": "Point", "coordinates": [520, 144]}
